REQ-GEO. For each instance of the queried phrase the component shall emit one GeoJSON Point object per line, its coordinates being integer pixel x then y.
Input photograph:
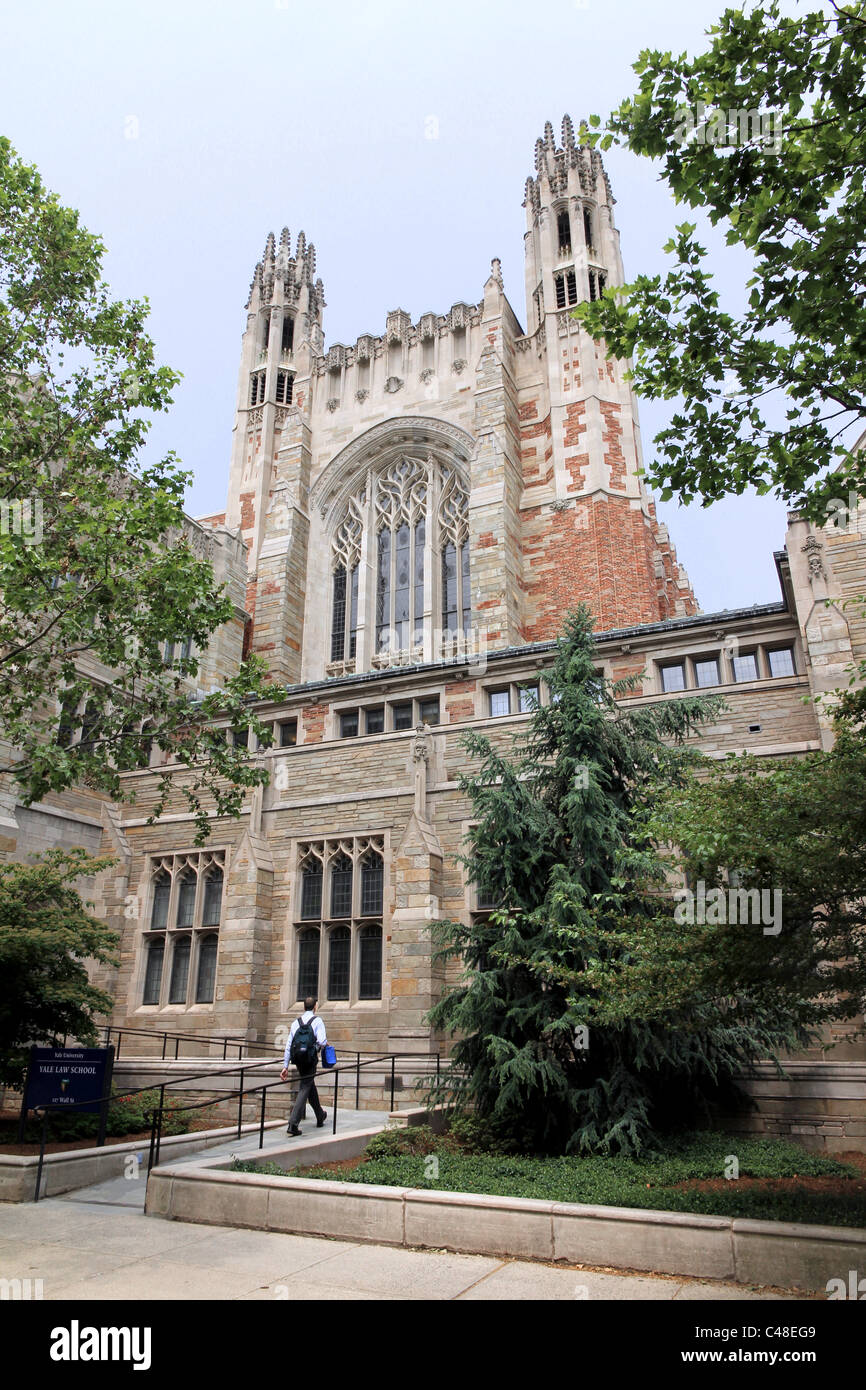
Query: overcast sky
{"type": "Point", "coordinates": [184, 132]}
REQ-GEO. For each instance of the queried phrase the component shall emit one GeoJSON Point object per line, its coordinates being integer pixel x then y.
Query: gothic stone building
{"type": "Point", "coordinates": [408, 518]}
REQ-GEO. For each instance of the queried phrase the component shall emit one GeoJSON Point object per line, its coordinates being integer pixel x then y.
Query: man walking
{"type": "Point", "coordinates": [306, 1037]}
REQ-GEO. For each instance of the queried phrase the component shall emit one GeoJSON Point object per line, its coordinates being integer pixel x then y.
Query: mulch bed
{"type": "Point", "coordinates": [339, 1165]}
{"type": "Point", "coordinates": [9, 1143]}
{"type": "Point", "coordinates": [834, 1186]}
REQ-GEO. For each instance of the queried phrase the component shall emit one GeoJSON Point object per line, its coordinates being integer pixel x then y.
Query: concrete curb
{"type": "Point", "coordinates": [663, 1242]}
{"type": "Point", "coordinates": [74, 1168]}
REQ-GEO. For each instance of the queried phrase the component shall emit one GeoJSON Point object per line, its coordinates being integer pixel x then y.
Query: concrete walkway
{"type": "Point", "coordinates": [98, 1244]}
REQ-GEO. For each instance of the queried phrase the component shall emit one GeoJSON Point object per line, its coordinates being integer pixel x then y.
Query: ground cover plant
{"type": "Point", "coordinates": [777, 1180]}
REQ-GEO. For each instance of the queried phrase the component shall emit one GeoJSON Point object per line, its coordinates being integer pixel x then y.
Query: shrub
{"type": "Point", "coordinates": [414, 1140]}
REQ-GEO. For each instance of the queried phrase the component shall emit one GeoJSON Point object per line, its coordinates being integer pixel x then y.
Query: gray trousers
{"type": "Point", "coordinates": [307, 1092]}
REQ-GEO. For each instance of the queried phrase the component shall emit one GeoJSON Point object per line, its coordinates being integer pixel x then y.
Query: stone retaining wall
{"type": "Point", "coordinates": [709, 1247]}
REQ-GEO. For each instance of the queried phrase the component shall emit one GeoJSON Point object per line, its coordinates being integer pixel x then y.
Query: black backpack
{"type": "Point", "coordinates": [304, 1049]}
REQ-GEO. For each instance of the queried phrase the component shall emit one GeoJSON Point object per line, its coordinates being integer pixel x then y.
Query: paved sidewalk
{"type": "Point", "coordinates": [98, 1244]}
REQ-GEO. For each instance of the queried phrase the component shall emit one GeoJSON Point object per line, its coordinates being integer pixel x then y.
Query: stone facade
{"type": "Point", "coordinates": [414, 513]}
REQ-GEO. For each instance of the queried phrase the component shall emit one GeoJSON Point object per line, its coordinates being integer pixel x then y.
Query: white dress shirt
{"type": "Point", "coordinates": [318, 1029]}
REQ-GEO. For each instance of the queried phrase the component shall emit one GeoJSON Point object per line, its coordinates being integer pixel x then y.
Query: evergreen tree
{"type": "Point", "coordinates": [562, 842]}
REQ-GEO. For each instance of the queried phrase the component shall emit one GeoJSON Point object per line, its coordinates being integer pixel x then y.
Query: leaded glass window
{"type": "Point", "coordinates": [186, 906]}
{"type": "Point", "coordinates": [339, 957]}
{"type": "Point", "coordinates": [340, 917]}
{"type": "Point", "coordinates": [341, 887]}
{"type": "Point", "coordinates": [153, 975]}
{"type": "Point", "coordinates": [370, 964]}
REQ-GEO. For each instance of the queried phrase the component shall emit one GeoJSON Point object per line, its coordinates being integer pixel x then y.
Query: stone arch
{"type": "Point", "coordinates": [402, 436]}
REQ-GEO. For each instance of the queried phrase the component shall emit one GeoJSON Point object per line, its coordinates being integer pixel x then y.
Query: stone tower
{"type": "Point", "coordinates": [283, 338]}
{"type": "Point", "coordinates": [534, 429]}
{"type": "Point", "coordinates": [594, 533]}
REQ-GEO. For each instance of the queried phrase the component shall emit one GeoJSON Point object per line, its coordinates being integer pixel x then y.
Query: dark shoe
{"type": "Point", "coordinates": [292, 1130]}
{"type": "Point", "coordinates": [320, 1122]}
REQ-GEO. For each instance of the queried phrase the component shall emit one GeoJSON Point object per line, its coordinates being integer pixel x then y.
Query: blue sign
{"type": "Point", "coordinates": [61, 1076]}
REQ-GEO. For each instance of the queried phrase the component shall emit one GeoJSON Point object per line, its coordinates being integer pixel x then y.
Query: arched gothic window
{"type": "Point", "coordinates": [181, 937]}
{"type": "Point", "coordinates": [400, 587]}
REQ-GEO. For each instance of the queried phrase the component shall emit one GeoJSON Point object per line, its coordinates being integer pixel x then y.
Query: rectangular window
{"type": "Point", "coordinates": [213, 897]}
{"type": "Point", "coordinates": [207, 960]}
{"type": "Point", "coordinates": [402, 715]}
{"type": "Point", "coordinates": [401, 593]}
{"type": "Point", "coordinates": [745, 667]}
{"type": "Point", "coordinates": [559, 287]}
{"type": "Point", "coordinates": [370, 982]}
{"type": "Point", "coordinates": [563, 228]}
{"type": "Point", "coordinates": [571, 286]}
{"type": "Point", "coordinates": [428, 710]}
{"type": "Point", "coordinates": [587, 228]}
{"type": "Point", "coordinates": [349, 724]}
{"type": "Point", "coordinates": [308, 964]}
{"type": "Point", "coordinates": [467, 590]}
{"type": "Point", "coordinates": [341, 888]}
{"type": "Point", "coordinates": [707, 672]}
{"type": "Point", "coordinates": [68, 721]}
{"type": "Point", "coordinates": [374, 720]}
{"type": "Point", "coordinates": [311, 893]}
{"type": "Point", "coordinates": [338, 618]}
{"type": "Point", "coordinates": [673, 677]}
{"type": "Point", "coordinates": [288, 334]}
{"type": "Point", "coordinates": [500, 703]}
{"type": "Point", "coordinates": [153, 975]}
{"type": "Point", "coordinates": [418, 593]}
{"type": "Point", "coordinates": [372, 882]}
{"type": "Point", "coordinates": [186, 901]}
{"type": "Point", "coordinates": [782, 662]}
{"type": "Point", "coordinates": [484, 898]}
{"type": "Point", "coordinates": [353, 613]}
{"type": "Point", "coordinates": [383, 590]}
{"type": "Point", "coordinates": [288, 733]}
{"type": "Point", "coordinates": [449, 588]}
{"type": "Point", "coordinates": [159, 912]}
{"type": "Point", "coordinates": [528, 699]}
{"type": "Point", "coordinates": [339, 953]}
{"type": "Point", "coordinates": [179, 971]}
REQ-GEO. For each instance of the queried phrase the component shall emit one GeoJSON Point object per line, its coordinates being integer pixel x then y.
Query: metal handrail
{"type": "Point", "coordinates": [156, 1115]}
{"type": "Point", "coordinates": [376, 1060]}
